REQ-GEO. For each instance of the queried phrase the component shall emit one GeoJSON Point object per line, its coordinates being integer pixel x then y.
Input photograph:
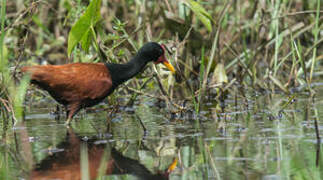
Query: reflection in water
{"type": "Point", "coordinates": [99, 159]}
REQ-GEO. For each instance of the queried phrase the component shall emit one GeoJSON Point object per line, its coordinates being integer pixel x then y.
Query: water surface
{"type": "Point", "coordinates": [259, 135]}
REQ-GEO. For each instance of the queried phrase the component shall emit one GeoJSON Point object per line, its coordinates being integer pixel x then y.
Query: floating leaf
{"type": "Point", "coordinates": [201, 13]}
{"type": "Point", "coordinates": [82, 27]}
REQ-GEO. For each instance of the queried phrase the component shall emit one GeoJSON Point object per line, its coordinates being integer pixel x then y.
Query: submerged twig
{"type": "Point", "coordinates": [142, 125]}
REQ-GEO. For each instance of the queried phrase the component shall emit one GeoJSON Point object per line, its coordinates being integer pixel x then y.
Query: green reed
{"type": "Point", "coordinates": [12, 94]}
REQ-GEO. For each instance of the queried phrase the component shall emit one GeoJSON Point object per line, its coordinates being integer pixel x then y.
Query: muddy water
{"type": "Point", "coordinates": [258, 136]}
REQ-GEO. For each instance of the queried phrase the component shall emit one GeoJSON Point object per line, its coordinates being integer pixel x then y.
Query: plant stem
{"type": "Point", "coordinates": [316, 32]}
{"type": "Point", "coordinates": [277, 36]}
{"type": "Point", "coordinates": [3, 17]}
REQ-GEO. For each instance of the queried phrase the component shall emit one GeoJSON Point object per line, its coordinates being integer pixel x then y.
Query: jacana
{"type": "Point", "coordinates": [81, 85]}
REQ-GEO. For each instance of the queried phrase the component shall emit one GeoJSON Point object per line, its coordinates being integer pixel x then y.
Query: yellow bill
{"type": "Point", "coordinates": [169, 66]}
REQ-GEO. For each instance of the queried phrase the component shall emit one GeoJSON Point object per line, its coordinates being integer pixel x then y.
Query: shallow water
{"type": "Point", "coordinates": [257, 137]}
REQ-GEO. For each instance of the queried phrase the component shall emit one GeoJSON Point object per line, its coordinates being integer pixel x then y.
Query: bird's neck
{"type": "Point", "coordinates": [123, 72]}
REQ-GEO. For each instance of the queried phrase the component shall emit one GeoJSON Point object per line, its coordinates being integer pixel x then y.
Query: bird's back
{"type": "Point", "coordinates": [77, 82]}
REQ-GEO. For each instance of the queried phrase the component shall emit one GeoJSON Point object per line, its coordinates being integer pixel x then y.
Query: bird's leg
{"type": "Point", "coordinates": [67, 115]}
{"type": "Point", "coordinates": [71, 111]}
{"type": "Point", "coordinates": [68, 121]}
{"type": "Point", "coordinates": [57, 112]}
{"type": "Point", "coordinates": [70, 115]}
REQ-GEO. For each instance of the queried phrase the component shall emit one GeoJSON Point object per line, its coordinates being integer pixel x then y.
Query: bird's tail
{"type": "Point", "coordinates": [35, 71]}
{"type": "Point", "coordinates": [28, 69]}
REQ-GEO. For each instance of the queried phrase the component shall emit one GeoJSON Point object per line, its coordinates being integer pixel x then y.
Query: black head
{"type": "Point", "coordinates": [155, 52]}
{"type": "Point", "coordinates": [151, 51]}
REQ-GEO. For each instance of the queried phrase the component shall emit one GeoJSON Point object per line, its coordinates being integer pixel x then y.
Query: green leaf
{"type": "Point", "coordinates": [201, 13]}
{"type": "Point", "coordinates": [82, 27]}
{"type": "Point", "coordinates": [86, 41]}
{"type": "Point", "coordinates": [4, 60]}
{"type": "Point", "coordinates": [19, 96]}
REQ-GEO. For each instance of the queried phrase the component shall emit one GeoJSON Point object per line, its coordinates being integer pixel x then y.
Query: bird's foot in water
{"type": "Point", "coordinates": [68, 122]}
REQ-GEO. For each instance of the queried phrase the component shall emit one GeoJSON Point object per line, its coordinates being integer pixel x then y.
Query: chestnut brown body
{"type": "Point", "coordinates": [76, 85]}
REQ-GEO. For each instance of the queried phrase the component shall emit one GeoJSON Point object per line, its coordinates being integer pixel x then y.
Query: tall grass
{"type": "Point", "coordinates": [316, 31]}
{"type": "Point", "coordinates": [3, 64]}
{"type": "Point", "coordinates": [12, 94]}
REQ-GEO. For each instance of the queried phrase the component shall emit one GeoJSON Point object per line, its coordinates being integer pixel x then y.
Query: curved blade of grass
{"type": "Point", "coordinates": [279, 84]}
{"type": "Point", "coordinates": [81, 29]}
{"type": "Point", "coordinates": [201, 13]}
